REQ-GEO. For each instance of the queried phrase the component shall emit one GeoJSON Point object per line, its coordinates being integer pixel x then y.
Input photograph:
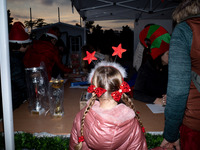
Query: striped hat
{"type": "Point", "coordinates": [159, 39]}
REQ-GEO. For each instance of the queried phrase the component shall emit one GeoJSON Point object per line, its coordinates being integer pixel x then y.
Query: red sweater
{"type": "Point", "coordinates": [44, 51]}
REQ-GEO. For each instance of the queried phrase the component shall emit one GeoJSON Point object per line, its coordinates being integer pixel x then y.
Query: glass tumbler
{"type": "Point", "coordinates": [37, 84]}
{"type": "Point", "coordinates": [56, 97]}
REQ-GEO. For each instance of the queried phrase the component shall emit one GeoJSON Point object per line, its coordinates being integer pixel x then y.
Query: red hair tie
{"type": "Point", "coordinates": [124, 88]}
{"type": "Point", "coordinates": [81, 139]}
{"type": "Point", "coordinates": [98, 91]}
{"type": "Point", "coordinates": [143, 129]}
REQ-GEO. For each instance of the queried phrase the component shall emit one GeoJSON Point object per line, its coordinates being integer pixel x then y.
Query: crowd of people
{"type": "Point", "coordinates": [168, 75]}
{"type": "Point", "coordinates": [25, 53]}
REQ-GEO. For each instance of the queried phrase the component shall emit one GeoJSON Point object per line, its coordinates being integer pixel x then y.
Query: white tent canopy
{"type": "Point", "coordinates": [97, 10]}
{"type": "Point", "coordinates": [142, 12]}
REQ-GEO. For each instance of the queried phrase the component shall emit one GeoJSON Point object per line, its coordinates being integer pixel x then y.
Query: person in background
{"type": "Point", "coordinates": [142, 54]}
{"type": "Point", "coordinates": [152, 77]}
{"type": "Point", "coordinates": [44, 50]}
{"type": "Point", "coordinates": [182, 112]}
{"type": "Point", "coordinates": [19, 42]}
{"type": "Point", "coordinates": [106, 123]}
{"type": "Point", "coordinates": [63, 53]}
{"type": "Point", "coordinates": [61, 46]}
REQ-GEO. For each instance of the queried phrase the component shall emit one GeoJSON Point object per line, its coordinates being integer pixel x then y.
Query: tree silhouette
{"type": "Point", "coordinates": [89, 25]}
{"type": "Point", "coordinates": [95, 37]}
{"type": "Point", "coordinates": [77, 25]}
{"type": "Point", "coordinates": [105, 39]}
{"type": "Point", "coordinates": [111, 38]}
{"type": "Point", "coordinates": [35, 23]}
{"type": "Point", "coordinates": [10, 20]}
{"type": "Point", "coordinates": [126, 38]}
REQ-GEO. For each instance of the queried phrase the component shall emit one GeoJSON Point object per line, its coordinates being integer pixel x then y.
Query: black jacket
{"type": "Point", "coordinates": [150, 83]}
{"type": "Point", "coordinates": [18, 80]}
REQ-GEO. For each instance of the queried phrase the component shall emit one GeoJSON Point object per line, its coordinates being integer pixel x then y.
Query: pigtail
{"type": "Point", "coordinates": [91, 103]}
{"type": "Point", "coordinates": [130, 104]}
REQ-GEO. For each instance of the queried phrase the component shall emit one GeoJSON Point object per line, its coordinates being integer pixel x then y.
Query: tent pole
{"type": "Point", "coordinates": [58, 14]}
{"type": "Point", "coordinates": [84, 22]}
{"type": "Point", "coordinates": [5, 79]}
{"type": "Point", "coordinates": [150, 5]}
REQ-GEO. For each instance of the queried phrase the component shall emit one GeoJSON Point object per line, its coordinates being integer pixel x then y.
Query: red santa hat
{"type": "Point", "coordinates": [18, 34]}
{"type": "Point", "coordinates": [52, 33]}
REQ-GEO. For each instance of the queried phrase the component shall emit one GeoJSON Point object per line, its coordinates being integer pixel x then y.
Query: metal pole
{"type": "Point", "coordinates": [58, 14]}
{"type": "Point", "coordinates": [80, 22]}
{"type": "Point", "coordinates": [150, 5]}
{"type": "Point", "coordinates": [85, 32]}
{"type": "Point", "coordinates": [31, 22]}
{"type": "Point", "coordinates": [5, 79]}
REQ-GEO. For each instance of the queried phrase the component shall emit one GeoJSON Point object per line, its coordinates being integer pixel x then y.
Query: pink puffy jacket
{"type": "Point", "coordinates": [115, 129]}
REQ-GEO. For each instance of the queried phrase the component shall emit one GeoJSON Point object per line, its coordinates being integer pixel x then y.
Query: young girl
{"type": "Point", "coordinates": [106, 123]}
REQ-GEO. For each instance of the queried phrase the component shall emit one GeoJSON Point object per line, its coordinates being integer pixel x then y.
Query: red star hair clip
{"type": "Point", "coordinates": [90, 57]}
{"type": "Point", "coordinates": [118, 50]}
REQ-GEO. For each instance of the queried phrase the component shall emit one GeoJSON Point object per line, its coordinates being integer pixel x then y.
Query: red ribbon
{"type": "Point", "coordinates": [124, 88]}
{"type": "Point", "coordinates": [81, 139]}
{"type": "Point", "coordinates": [98, 91]}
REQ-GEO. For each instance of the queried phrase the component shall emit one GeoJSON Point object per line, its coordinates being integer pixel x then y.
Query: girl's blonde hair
{"type": "Point", "coordinates": [109, 78]}
{"type": "Point", "coordinates": [185, 9]}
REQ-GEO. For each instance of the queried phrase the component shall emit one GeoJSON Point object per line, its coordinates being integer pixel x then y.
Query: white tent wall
{"type": "Point", "coordinates": [138, 26]}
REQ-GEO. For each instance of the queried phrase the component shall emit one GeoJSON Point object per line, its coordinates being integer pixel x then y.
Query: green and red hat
{"type": "Point", "coordinates": [159, 38]}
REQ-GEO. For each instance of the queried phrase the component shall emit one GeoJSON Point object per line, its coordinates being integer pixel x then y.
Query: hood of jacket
{"type": "Point", "coordinates": [109, 129]}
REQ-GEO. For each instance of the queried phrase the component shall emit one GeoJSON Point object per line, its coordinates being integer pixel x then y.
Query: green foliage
{"type": "Point", "coordinates": [10, 20]}
{"type": "Point", "coordinates": [29, 141]}
{"type": "Point", "coordinates": [153, 140]}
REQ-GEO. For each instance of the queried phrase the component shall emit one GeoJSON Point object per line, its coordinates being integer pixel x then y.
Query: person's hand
{"type": "Point", "coordinates": [164, 99]}
{"type": "Point", "coordinates": [158, 101]}
{"type": "Point", "coordinates": [161, 101]}
{"type": "Point", "coordinates": [170, 146]}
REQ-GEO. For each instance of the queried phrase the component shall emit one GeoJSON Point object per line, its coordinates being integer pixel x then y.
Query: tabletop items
{"type": "Point", "coordinates": [44, 96]}
{"type": "Point", "coordinates": [56, 97]}
{"type": "Point", "coordinates": [37, 84]}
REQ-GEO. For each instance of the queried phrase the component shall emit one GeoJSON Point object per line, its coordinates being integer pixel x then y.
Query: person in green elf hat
{"type": "Point", "coordinates": [151, 82]}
